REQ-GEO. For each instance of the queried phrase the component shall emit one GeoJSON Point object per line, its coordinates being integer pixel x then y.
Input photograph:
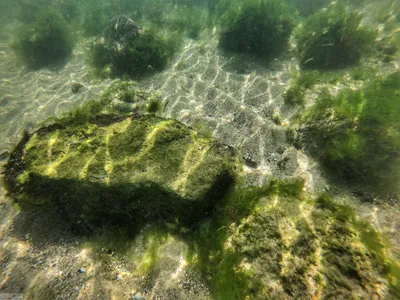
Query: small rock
{"type": "Point", "coordinates": [138, 296]}
{"type": "Point", "coordinates": [4, 155]}
{"type": "Point", "coordinates": [119, 277]}
{"type": "Point", "coordinates": [250, 161]}
{"type": "Point", "coordinates": [75, 87]}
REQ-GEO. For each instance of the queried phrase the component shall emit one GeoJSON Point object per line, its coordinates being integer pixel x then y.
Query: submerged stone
{"type": "Point", "coordinates": [117, 169]}
{"type": "Point", "coordinates": [293, 247]}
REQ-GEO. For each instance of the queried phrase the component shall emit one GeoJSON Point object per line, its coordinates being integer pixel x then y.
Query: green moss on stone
{"type": "Point", "coordinates": [154, 105]}
{"type": "Point", "coordinates": [275, 242]}
{"type": "Point", "coordinates": [292, 247]}
{"type": "Point", "coordinates": [116, 169]}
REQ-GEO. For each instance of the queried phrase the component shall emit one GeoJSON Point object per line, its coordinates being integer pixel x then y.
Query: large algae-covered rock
{"type": "Point", "coordinates": [119, 169]}
{"type": "Point", "coordinates": [293, 247]}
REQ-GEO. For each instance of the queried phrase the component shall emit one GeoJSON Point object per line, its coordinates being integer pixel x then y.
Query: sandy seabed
{"type": "Point", "coordinates": [236, 97]}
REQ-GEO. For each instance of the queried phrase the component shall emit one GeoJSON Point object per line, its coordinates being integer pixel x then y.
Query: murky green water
{"type": "Point", "coordinates": [199, 149]}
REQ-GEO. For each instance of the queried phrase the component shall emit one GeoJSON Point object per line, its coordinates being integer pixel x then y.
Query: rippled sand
{"type": "Point", "coordinates": [236, 97]}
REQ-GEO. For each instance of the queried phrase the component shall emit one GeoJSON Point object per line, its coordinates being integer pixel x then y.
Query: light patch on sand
{"type": "Point", "coordinates": [303, 171]}
{"type": "Point", "coordinates": [21, 249]}
{"type": "Point", "coordinates": [85, 254]}
{"type": "Point", "coordinates": [179, 269]}
{"type": "Point", "coordinates": [88, 291]}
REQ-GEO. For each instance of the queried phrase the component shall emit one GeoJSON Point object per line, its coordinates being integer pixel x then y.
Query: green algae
{"type": "Point", "coordinates": [358, 132]}
{"type": "Point", "coordinates": [154, 105]}
{"type": "Point", "coordinates": [308, 7]}
{"type": "Point", "coordinates": [276, 242]}
{"type": "Point", "coordinates": [100, 165]}
{"type": "Point", "coordinates": [135, 57]}
{"type": "Point", "coordinates": [143, 168]}
{"type": "Point", "coordinates": [190, 19]}
{"type": "Point", "coordinates": [120, 98]}
{"type": "Point", "coordinates": [260, 27]}
{"type": "Point", "coordinates": [306, 80]}
{"type": "Point", "coordinates": [333, 38]}
{"type": "Point", "coordinates": [255, 242]}
{"type": "Point", "coordinates": [45, 41]}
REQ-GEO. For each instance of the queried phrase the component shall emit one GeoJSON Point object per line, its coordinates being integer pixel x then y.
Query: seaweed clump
{"type": "Point", "coordinates": [125, 48]}
{"type": "Point", "coordinates": [45, 41]}
{"type": "Point", "coordinates": [333, 38]}
{"type": "Point", "coordinates": [260, 27]}
{"type": "Point", "coordinates": [358, 133]}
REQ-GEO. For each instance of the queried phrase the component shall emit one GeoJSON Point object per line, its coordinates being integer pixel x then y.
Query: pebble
{"type": "Point", "coordinates": [75, 87]}
{"type": "Point", "coordinates": [249, 160]}
{"type": "Point", "coordinates": [138, 296]}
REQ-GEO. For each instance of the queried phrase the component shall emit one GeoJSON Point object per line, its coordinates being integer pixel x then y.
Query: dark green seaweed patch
{"type": "Point", "coordinates": [46, 41]}
{"type": "Point", "coordinates": [359, 132]}
{"type": "Point", "coordinates": [125, 48]}
{"type": "Point", "coordinates": [260, 27]}
{"type": "Point", "coordinates": [333, 38]}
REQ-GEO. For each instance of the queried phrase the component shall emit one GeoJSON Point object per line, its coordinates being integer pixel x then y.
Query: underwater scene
{"type": "Point", "coordinates": [199, 149]}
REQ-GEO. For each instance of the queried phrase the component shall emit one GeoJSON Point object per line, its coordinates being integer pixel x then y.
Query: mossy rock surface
{"type": "Point", "coordinates": [277, 242]}
{"type": "Point", "coordinates": [121, 170]}
{"type": "Point", "coordinates": [298, 248]}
